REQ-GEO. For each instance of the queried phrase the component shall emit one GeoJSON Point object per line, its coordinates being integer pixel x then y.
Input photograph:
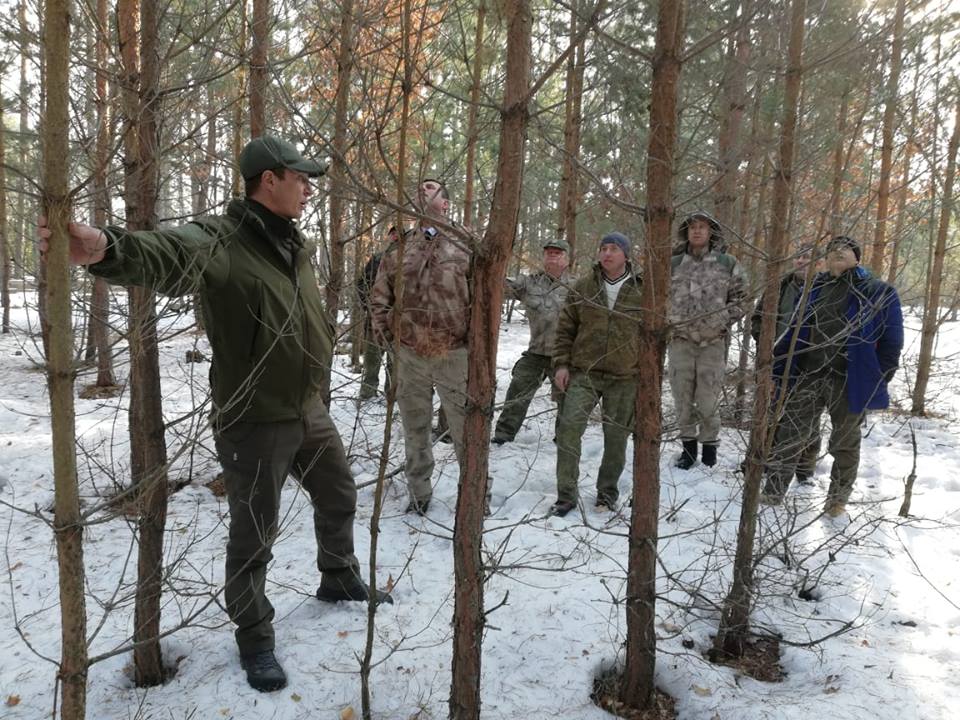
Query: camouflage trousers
{"type": "Point", "coordinates": [416, 378]}
{"type": "Point", "coordinates": [528, 375]}
{"type": "Point", "coordinates": [373, 354]}
{"type": "Point", "coordinates": [696, 382]}
{"type": "Point", "coordinates": [799, 430]}
{"type": "Point", "coordinates": [617, 398]}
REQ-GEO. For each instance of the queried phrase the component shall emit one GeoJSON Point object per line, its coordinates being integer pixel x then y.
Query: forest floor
{"type": "Point", "coordinates": [876, 633]}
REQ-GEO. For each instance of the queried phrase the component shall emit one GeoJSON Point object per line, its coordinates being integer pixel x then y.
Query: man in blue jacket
{"type": "Point", "coordinates": [847, 350]}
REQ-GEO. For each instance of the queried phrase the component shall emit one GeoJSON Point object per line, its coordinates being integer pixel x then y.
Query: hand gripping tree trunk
{"type": "Point", "coordinates": [637, 689]}
{"type": "Point", "coordinates": [488, 273]}
{"type": "Point", "coordinates": [148, 449]}
{"type": "Point", "coordinates": [68, 529]}
{"type": "Point", "coordinates": [735, 618]}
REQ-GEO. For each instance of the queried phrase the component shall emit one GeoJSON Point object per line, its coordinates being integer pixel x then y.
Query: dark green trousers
{"type": "Point", "coordinates": [373, 354]}
{"type": "Point", "coordinates": [617, 397]}
{"type": "Point", "coordinates": [256, 459]}
{"type": "Point", "coordinates": [528, 375]}
{"type": "Point", "coordinates": [799, 430]}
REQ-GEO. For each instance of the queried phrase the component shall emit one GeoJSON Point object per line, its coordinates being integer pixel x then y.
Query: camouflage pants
{"type": "Point", "coordinates": [256, 459]}
{"type": "Point", "coordinates": [373, 354]}
{"type": "Point", "coordinates": [696, 381]}
{"type": "Point", "coordinates": [617, 397]}
{"type": "Point", "coordinates": [799, 429]}
{"type": "Point", "coordinates": [416, 378]}
{"type": "Point", "coordinates": [528, 375]}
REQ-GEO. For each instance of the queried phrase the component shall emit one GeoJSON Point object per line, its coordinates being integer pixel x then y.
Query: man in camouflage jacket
{"type": "Point", "coordinates": [431, 335]}
{"type": "Point", "coordinates": [706, 299]}
{"type": "Point", "coordinates": [542, 294]}
{"type": "Point", "coordinates": [596, 359]}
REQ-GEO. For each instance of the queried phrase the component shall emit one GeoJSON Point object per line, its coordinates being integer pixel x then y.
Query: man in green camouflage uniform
{"type": "Point", "coordinates": [596, 359]}
{"type": "Point", "coordinates": [432, 342]}
{"type": "Point", "coordinates": [542, 294]}
{"type": "Point", "coordinates": [272, 344]}
{"type": "Point", "coordinates": [706, 297]}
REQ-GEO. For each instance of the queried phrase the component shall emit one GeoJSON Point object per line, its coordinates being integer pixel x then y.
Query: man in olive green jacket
{"type": "Point", "coordinates": [272, 343]}
{"type": "Point", "coordinates": [595, 359]}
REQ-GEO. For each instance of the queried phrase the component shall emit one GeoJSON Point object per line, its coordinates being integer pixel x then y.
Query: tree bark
{"type": "Point", "coordinates": [573, 117]}
{"type": "Point", "coordinates": [637, 686]}
{"type": "Point", "coordinates": [338, 172]}
{"type": "Point", "coordinates": [734, 101]}
{"type": "Point", "coordinates": [735, 618]}
{"type": "Point", "coordinates": [260, 31]}
{"type": "Point", "coordinates": [931, 310]}
{"type": "Point", "coordinates": [148, 450]}
{"type": "Point", "coordinates": [886, 149]}
{"type": "Point", "coordinates": [904, 194]}
{"type": "Point", "coordinates": [468, 199]}
{"type": "Point", "coordinates": [4, 243]}
{"type": "Point", "coordinates": [489, 270]}
{"type": "Point", "coordinates": [100, 297]}
{"type": "Point", "coordinates": [236, 134]}
{"type": "Point", "coordinates": [67, 523]}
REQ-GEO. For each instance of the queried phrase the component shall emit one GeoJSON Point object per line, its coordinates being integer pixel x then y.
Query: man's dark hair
{"type": "Point", "coordinates": [250, 185]}
{"type": "Point", "coordinates": [444, 193]}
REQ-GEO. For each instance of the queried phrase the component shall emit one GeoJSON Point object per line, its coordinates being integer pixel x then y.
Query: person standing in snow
{"type": "Point", "coordinates": [373, 351]}
{"type": "Point", "coordinates": [596, 359]}
{"type": "Point", "coordinates": [791, 289]}
{"type": "Point", "coordinates": [706, 299]}
{"type": "Point", "coordinates": [431, 350]}
{"type": "Point", "coordinates": [272, 343]}
{"type": "Point", "coordinates": [848, 348]}
{"type": "Point", "coordinates": [542, 294]}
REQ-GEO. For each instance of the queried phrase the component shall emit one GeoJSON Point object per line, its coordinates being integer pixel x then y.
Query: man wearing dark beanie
{"type": "Point", "coordinates": [847, 350]}
{"type": "Point", "coordinates": [596, 359]}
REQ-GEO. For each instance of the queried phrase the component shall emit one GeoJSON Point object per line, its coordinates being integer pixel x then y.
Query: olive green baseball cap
{"type": "Point", "coordinates": [269, 153]}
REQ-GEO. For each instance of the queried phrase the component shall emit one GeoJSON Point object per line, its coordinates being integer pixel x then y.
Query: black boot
{"type": "Point", "coordinates": [689, 455]}
{"type": "Point", "coordinates": [709, 454]}
{"type": "Point", "coordinates": [346, 585]}
{"type": "Point", "coordinates": [263, 671]}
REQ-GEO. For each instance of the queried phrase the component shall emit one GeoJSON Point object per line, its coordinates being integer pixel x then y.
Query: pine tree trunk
{"type": "Point", "coordinates": [637, 687]}
{"type": "Point", "coordinates": [4, 244]}
{"type": "Point", "coordinates": [489, 270]}
{"type": "Point", "coordinates": [735, 617]}
{"type": "Point", "coordinates": [67, 523]}
{"type": "Point", "coordinates": [148, 451]}
{"type": "Point", "coordinates": [338, 172]}
{"type": "Point", "coordinates": [931, 310]}
{"type": "Point", "coordinates": [260, 31]}
{"type": "Point", "coordinates": [19, 257]}
{"type": "Point", "coordinates": [569, 190]}
{"type": "Point", "coordinates": [734, 102]}
{"type": "Point", "coordinates": [100, 297]}
{"type": "Point", "coordinates": [904, 194]}
{"type": "Point", "coordinates": [468, 199]}
{"type": "Point", "coordinates": [886, 149]}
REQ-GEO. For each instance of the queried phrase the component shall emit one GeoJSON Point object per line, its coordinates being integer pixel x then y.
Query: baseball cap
{"type": "Point", "coordinates": [268, 153]}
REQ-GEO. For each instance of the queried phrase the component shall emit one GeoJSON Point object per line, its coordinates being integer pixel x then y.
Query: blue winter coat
{"type": "Point", "coordinates": [873, 347]}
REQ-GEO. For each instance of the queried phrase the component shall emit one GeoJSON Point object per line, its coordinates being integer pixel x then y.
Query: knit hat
{"type": "Point", "coordinates": [842, 241]}
{"type": "Point", "coordinates": [618, 239]}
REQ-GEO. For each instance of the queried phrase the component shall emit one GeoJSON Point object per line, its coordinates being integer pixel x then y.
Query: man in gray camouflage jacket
{"type": "Point", "coordinates": [542, 295]}
{"type": "Point", "coordinates": [432, 341]}
{"type": "Point", "coordinates": [706, 299]}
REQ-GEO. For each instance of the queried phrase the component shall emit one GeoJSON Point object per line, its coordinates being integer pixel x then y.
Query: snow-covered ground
{"type": "Point", "coordinates": [893, 584]}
